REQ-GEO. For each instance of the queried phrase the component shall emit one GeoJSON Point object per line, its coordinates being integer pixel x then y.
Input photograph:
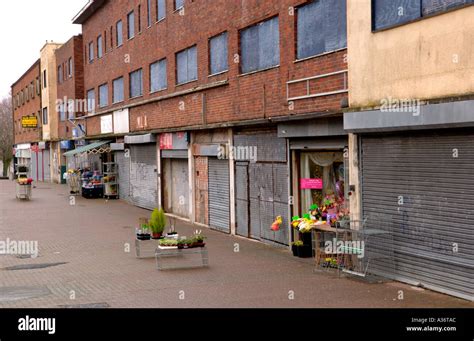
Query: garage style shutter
{"type": "Point", "coordinates": [124, 174]}
{"type": "Point", "coordinates": [143, 176]}
{"type": "Point", "coordinates": [44, 163]}
{"type": "Point", "coordinates": [422, 187]}
{"type": "Point", "coordinates": [219, 194]}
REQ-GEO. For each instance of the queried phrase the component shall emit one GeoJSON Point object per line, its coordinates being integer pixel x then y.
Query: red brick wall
{"type": "Point", "coordinates": [202, 189]}
{"type": "Point", "coordinates": [71, 88]}
{"type": "Point", "coordinates": [30, 107]}
{"type": "Point", "coordinates": [245, 97]}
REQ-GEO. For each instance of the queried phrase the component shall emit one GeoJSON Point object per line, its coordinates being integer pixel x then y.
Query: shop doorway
{"type": "Point", "coordinates": [322, 176]}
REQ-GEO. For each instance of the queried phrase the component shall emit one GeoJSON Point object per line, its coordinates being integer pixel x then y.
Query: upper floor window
{"type": "Point", "coordinates": [38, 86]}
{"type": "Point", "coordinates": [136, 83]}
{"type": "Point", "coordinates": [218, 53]}
{"type": "Point", "coordinates": [91, 101]}
{"type": "Point", "coordinates": [60, 74]}
{"type": "Point", "coordinates": [178, 4]}
{"type": "Point", "coordinates": [148, 13]}
{"type": "Point", "coordinates": [118, 90]}
{"type": "Point", "coordinates": [131, 25]}
{"type": "Point", "coordinates": [139, 18]}
{"type": "Point", "coordinates": [321, 27]}
{"type": "Point", "coordinates": [186, 65]}
{"type": "Point", "coordinates": [119, 33]}
{"type": "Point", "coordinates": [62, 112]}
{"type": "Point", "coordinates": [160, 9]}
{"type": "Point", "coordinates": [99, 47]}
{"type": "Point", "coordinates": [260, 46]}
{"type": "Point", "coordinates": [45, 82]}
{"type": "Point", "coordinates": [103, 95]}
{"type": "Point", "coordinates": [70, 67]}
{"type": "Point", "coordinates": [158, 79]}
{"type": "Point", "coordinates": [45, 116]}
{"type": "Point", "coordinates": [91, 52]}
{"type": "Point", "coordinates": [389, 13]}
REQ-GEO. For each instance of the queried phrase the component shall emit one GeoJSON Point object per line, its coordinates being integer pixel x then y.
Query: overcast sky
{"type": "Point", "coordinates": [25, 25]}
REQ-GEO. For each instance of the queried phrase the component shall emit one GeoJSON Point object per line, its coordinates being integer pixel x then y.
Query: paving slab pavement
{"type": "Point", "coordinates": [94, 241]}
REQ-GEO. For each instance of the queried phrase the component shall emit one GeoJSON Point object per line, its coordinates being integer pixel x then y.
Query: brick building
{"type": "Point", "coordinates": [222, 108]}
{"type": "Point", "coordinates": [26, 97]}
{"type": "Point", "coordinates": [70, 89]}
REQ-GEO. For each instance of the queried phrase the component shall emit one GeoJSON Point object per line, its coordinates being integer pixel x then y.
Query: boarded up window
{"type": "Point", "coordinates": [103, 95]}
{"type": "Point", "coordinates": [158, 76]}
{"type": "Point", "coordinates": [321, 27]}
{"type": "Point", "coordinates": [160, 9]}
{"type": "Point", "coordinates": [118, 95]}
{"type": "Point", "coordinates": [434, 6]}
{"type": "Point", "coordinates": [136, 84]}
{"type": "Point", "coordinates": [186, 62]}
{"type": "Point", "coordinates": [218, 52]}
{"type": "Point", "coordinates": [260, 46]}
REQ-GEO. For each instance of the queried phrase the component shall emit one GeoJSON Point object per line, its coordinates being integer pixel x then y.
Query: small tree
{"type": "Point", "coordinates": [157, 221]}
{"type": "Point", "coordinates": [6, 132]}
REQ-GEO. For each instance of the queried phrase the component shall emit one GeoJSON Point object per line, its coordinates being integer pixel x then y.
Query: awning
{"type": "Point", "coordinates": [94, 148]}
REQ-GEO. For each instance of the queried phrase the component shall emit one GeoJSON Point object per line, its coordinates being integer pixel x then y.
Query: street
{"type": "Point", "coordinates": [87, 259]}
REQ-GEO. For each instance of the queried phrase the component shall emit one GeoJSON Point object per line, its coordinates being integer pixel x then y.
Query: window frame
{"type": "Point", "coordinates": [99, 102]}
{"type": "Point", "coordinates": [130, 84]}
{"type": "Point", "coordinates": [119, 33]}
{"type": "Point", "coordinates": [177, 65]}
{"type": "Point", "coordinates": [130, 14]}
{"type": "Point", "coordinates": [420, 17]}
{"type": "Point", "coordinates": [114, 101]}
{"type": "Point", "coordinates": [240, 31]}
{"type": "Point", "coordinates": [100, 47]}
{"type": "Point", "coordinates": [90, 55]}
{"type": "Point", "coordinates": [45, 117]}
{"type": "Point", "coordinates": [210, 54]}
{"type": "Point", "coordinates": [166, 75]}
{"type": "Point", "coordinates": [90, 110]}
{"type": "Point", "coordinates": [158, 19]}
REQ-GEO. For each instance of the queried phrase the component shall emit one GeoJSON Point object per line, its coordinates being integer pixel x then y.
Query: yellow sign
{"type": "Point", "coordinates": [29, 122]}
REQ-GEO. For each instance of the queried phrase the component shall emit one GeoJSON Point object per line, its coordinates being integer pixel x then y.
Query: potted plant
{"type": "Point", "coordinates": [168, 243]}
{"type": "Point", "coordinates": [294, 247]}
{"type": "Point", "coordinates": [143, 232]}
{"type": "Point", "coordinates": [198, 239]}
{"type": "Point", "coordinates": [157, 223]}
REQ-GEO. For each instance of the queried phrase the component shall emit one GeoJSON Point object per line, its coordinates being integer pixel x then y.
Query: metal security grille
{"type": "Point", "coordinates": [34, 166]}
{"type": "Point", "coordinates": [422, 187]}
{"type": "Point", "coordinates": [123, 161]}
{"type": "Point", "coordinates": [143, 176]}
{"type": "Point", "coordinates": [262, 188]}
{"type": "Point", "coordinates": [219, 194]}
{"type": "Point", "coordinates": [44, 163]}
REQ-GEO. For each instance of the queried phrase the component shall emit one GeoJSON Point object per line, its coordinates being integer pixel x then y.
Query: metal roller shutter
{"type": "Point", "coordinates": [124, 175]}
{"type": "Point", "coordinates": [422, 187]}
{"type": "Point", "coordinates": [45, 163]}
{"type": "Point", "coordinates": [143, 176]}
{"type": "Point", "coordinates": [35, 166]}
{"type": "Point", "coordinates": [219, 194]}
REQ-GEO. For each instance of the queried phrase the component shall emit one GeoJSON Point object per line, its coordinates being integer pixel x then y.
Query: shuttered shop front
{"type": "Point", "coordinates": [421, 186]}
{"type": "Point", "coordinates": [219, 194]}
{"type": "Point", "coordinates": [143, 176]}
{"type": "Point", "coordinates": [123, 162]}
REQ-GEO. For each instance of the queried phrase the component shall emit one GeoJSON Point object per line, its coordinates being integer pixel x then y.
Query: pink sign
{"type": "Point", "coordinates": [311, 183]}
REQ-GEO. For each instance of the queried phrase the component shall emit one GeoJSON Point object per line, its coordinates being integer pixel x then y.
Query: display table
{"type": "Point", "coordinates": [181, 258]}
{"type": "Point", "coordinates": [145, 248]}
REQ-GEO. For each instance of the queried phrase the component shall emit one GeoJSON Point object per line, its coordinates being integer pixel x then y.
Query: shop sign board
{"type": "Point", "coordinates": [311, 183]}
{"type": "Point", "coordinates": [174, 140]}
{"type": "Point", "coordinates": [29, 121]}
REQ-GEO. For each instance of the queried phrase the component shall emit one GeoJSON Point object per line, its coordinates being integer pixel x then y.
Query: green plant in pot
{"type": "Point", "coordinates": [157, 223]}
{"type": "Point", "coordinates": [198, 239]}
